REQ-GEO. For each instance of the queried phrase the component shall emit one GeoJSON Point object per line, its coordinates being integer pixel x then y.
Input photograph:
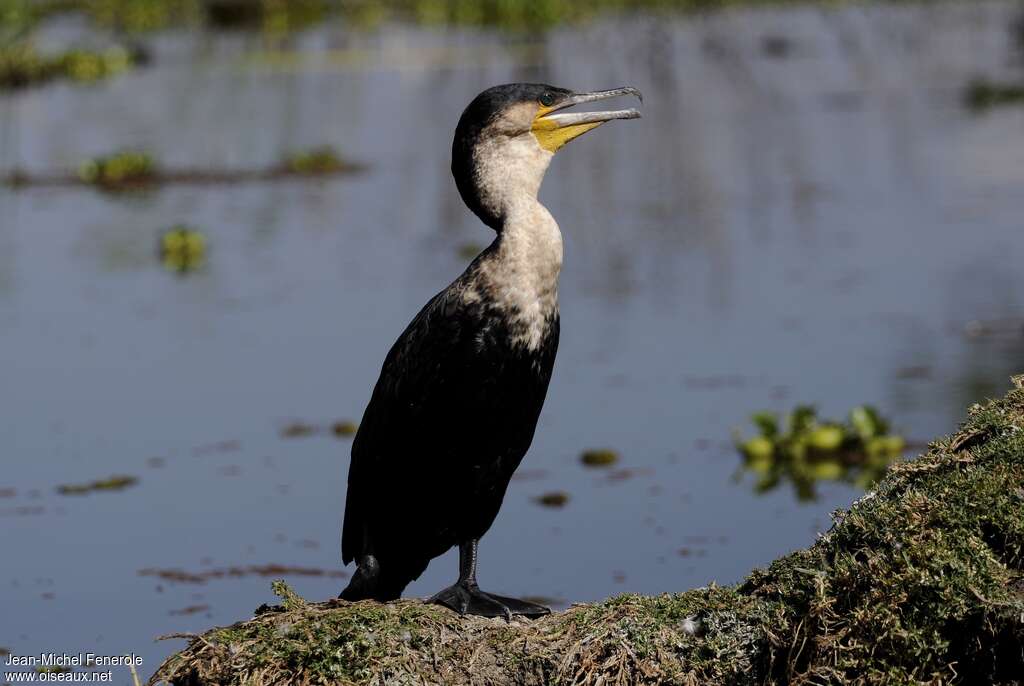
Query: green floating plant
{"type": "Point", "coordinates": [119, 171]}
{"type": "Point", "coordinates": [22, 67]}
{"type": "Point", "coordinates": [804, 450]}
{"type": "Point", "coordinates": [983, 94]}
{"type": "Point", "coordinates": [114, 483]}
{"type": "Point", "coordinates": [182, 249]}
{"type": "Point", "coordinates": [599, 457]}
{"type": "Point", "coordinates": [320, 160]}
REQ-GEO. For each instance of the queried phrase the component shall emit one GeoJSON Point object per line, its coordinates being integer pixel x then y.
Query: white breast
{"type": "Point", "coordinates": [519, 276]}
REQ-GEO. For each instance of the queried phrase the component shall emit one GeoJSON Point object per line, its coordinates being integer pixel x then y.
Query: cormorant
{"type": "Point", "coordinates": [459, 394]}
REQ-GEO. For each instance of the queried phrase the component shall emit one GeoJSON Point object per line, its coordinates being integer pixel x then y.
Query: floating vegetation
{"type": "Point", "coordinates": [22, 67]}
{"type": "Point", "coordinates": [982, 94]}
{"type": "Point", "coordinates": [182, 577]}
{"type": "Point", "coordinates": [619, 475]}
{"type": "Point", "coordinates": [269, 16]}
{"type": "Point", "coordinates": [298, 430]}
{"type": "Point", "coordinates": [316, 161]}
{"type": "Point", "coordinates": [114, 483]}
{"type": "Point", "coordinates": [553, 499]}
{"type": "Point", "coordinates": [182, 249]}
{"type": "Point", "coordinates": [807, 450]}
{"type": "Point", "coordinates": [131, 170]}
{"type": "Point", "coordinates": [600, 457]}
{"type": "Point", "coordinates": [344, 428]}
{"type": "Point", "coordinates": [277, 17]}
{"type": "Point", "coordinates": [120, 171]}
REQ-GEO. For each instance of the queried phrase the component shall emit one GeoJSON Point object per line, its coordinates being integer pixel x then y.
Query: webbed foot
{"type": "Point", "coordinates": [467, 599]}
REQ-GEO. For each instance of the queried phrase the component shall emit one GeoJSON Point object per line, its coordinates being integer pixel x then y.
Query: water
{"type": "Point", "coordinates": [806, 213]}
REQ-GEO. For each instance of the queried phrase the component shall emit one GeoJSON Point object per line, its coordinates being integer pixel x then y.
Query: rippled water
{"type": "Point", "coordinates": [806, 214]}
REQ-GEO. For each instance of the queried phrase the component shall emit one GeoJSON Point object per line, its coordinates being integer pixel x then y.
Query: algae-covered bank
{"type": "Point", "coordinates": [920, 581]}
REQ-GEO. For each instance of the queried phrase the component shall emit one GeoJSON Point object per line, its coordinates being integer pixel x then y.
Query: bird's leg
{"type": "Point", "coordinates": [465, 597]}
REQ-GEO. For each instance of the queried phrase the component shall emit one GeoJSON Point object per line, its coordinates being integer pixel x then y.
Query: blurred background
{"type": "Point", "coordinates": [217, 215]}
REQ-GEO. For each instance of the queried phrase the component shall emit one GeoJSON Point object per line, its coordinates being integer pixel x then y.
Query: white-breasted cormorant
{"type": "Point", "coordinates": [458, 398]}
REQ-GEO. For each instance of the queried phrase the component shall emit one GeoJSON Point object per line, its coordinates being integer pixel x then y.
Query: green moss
{"type": "Point", "coordinates": [291, 599]}
{"type": "Point", "coordinates": [920, 581]}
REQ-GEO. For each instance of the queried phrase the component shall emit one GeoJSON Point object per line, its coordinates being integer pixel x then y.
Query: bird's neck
{"type": "Point", "coordinates": [519, 272]}
{"type": "Point", "coordinates": [528, 248]}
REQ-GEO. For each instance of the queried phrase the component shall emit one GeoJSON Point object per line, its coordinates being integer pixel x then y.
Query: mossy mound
{"type": "Point", "coordinates": [921, 581]}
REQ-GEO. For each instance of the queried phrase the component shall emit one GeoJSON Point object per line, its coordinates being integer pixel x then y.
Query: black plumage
{"type": "Point", "coordinates": [460, 392]}
{"type": "Point", "coordinates": [451, 416]}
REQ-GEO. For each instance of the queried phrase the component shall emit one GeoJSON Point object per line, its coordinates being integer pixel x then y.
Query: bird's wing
{"type": "Point", "coordinates": [431, 360]}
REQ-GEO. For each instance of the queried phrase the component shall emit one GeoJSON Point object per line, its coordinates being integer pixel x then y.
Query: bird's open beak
{"type": "Point", "coordinates": [553, 129]}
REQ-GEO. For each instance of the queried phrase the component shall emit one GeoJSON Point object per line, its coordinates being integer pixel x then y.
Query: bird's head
{"type": "Point", "coordinates": [507, 136]}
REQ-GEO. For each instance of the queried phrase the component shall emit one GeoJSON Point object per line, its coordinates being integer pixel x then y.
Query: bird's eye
{"type": "Point", "coordinates": [547, 99]}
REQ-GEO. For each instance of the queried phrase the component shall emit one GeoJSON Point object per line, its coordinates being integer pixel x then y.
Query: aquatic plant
{"type": "Point", "coordinates": [298, 430]}
{"type": "Point", "coordinates": [553, 499]}
{"type": "Point", "coordinates": [278, 16]}
{"type": "Point", "coordinates": [114, 483]}
{"type": "Point", "coordinates": [179, 576]}
{"type": "Point", "coordinates": [118, 171]}
{"type": "Point", "coordinates": [983, 94]}
{"type": "Point", "coordinates": [599, 457]}
{"type": "Point", "coordinates": [133, 170]}
{"type": "Point", "coordinates": [918, 582]}
{"type": "Point", "coordinates": [182, 249]}
{"type": "Point", "coordinates": [804, 450]}
{"type": "Point", "coordinates": [320, 160]}
{"type": "Point", "coordinates": [21, 66]}
{"type": "Point", "coordinates": [344, 428]}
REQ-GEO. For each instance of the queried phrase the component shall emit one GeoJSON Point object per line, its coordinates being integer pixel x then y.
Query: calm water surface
{"type": "Point", "coordinates": [806, 214]}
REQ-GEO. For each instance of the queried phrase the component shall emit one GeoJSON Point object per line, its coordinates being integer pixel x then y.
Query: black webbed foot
{"type": "Point", "coordinates": [467, 599]}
